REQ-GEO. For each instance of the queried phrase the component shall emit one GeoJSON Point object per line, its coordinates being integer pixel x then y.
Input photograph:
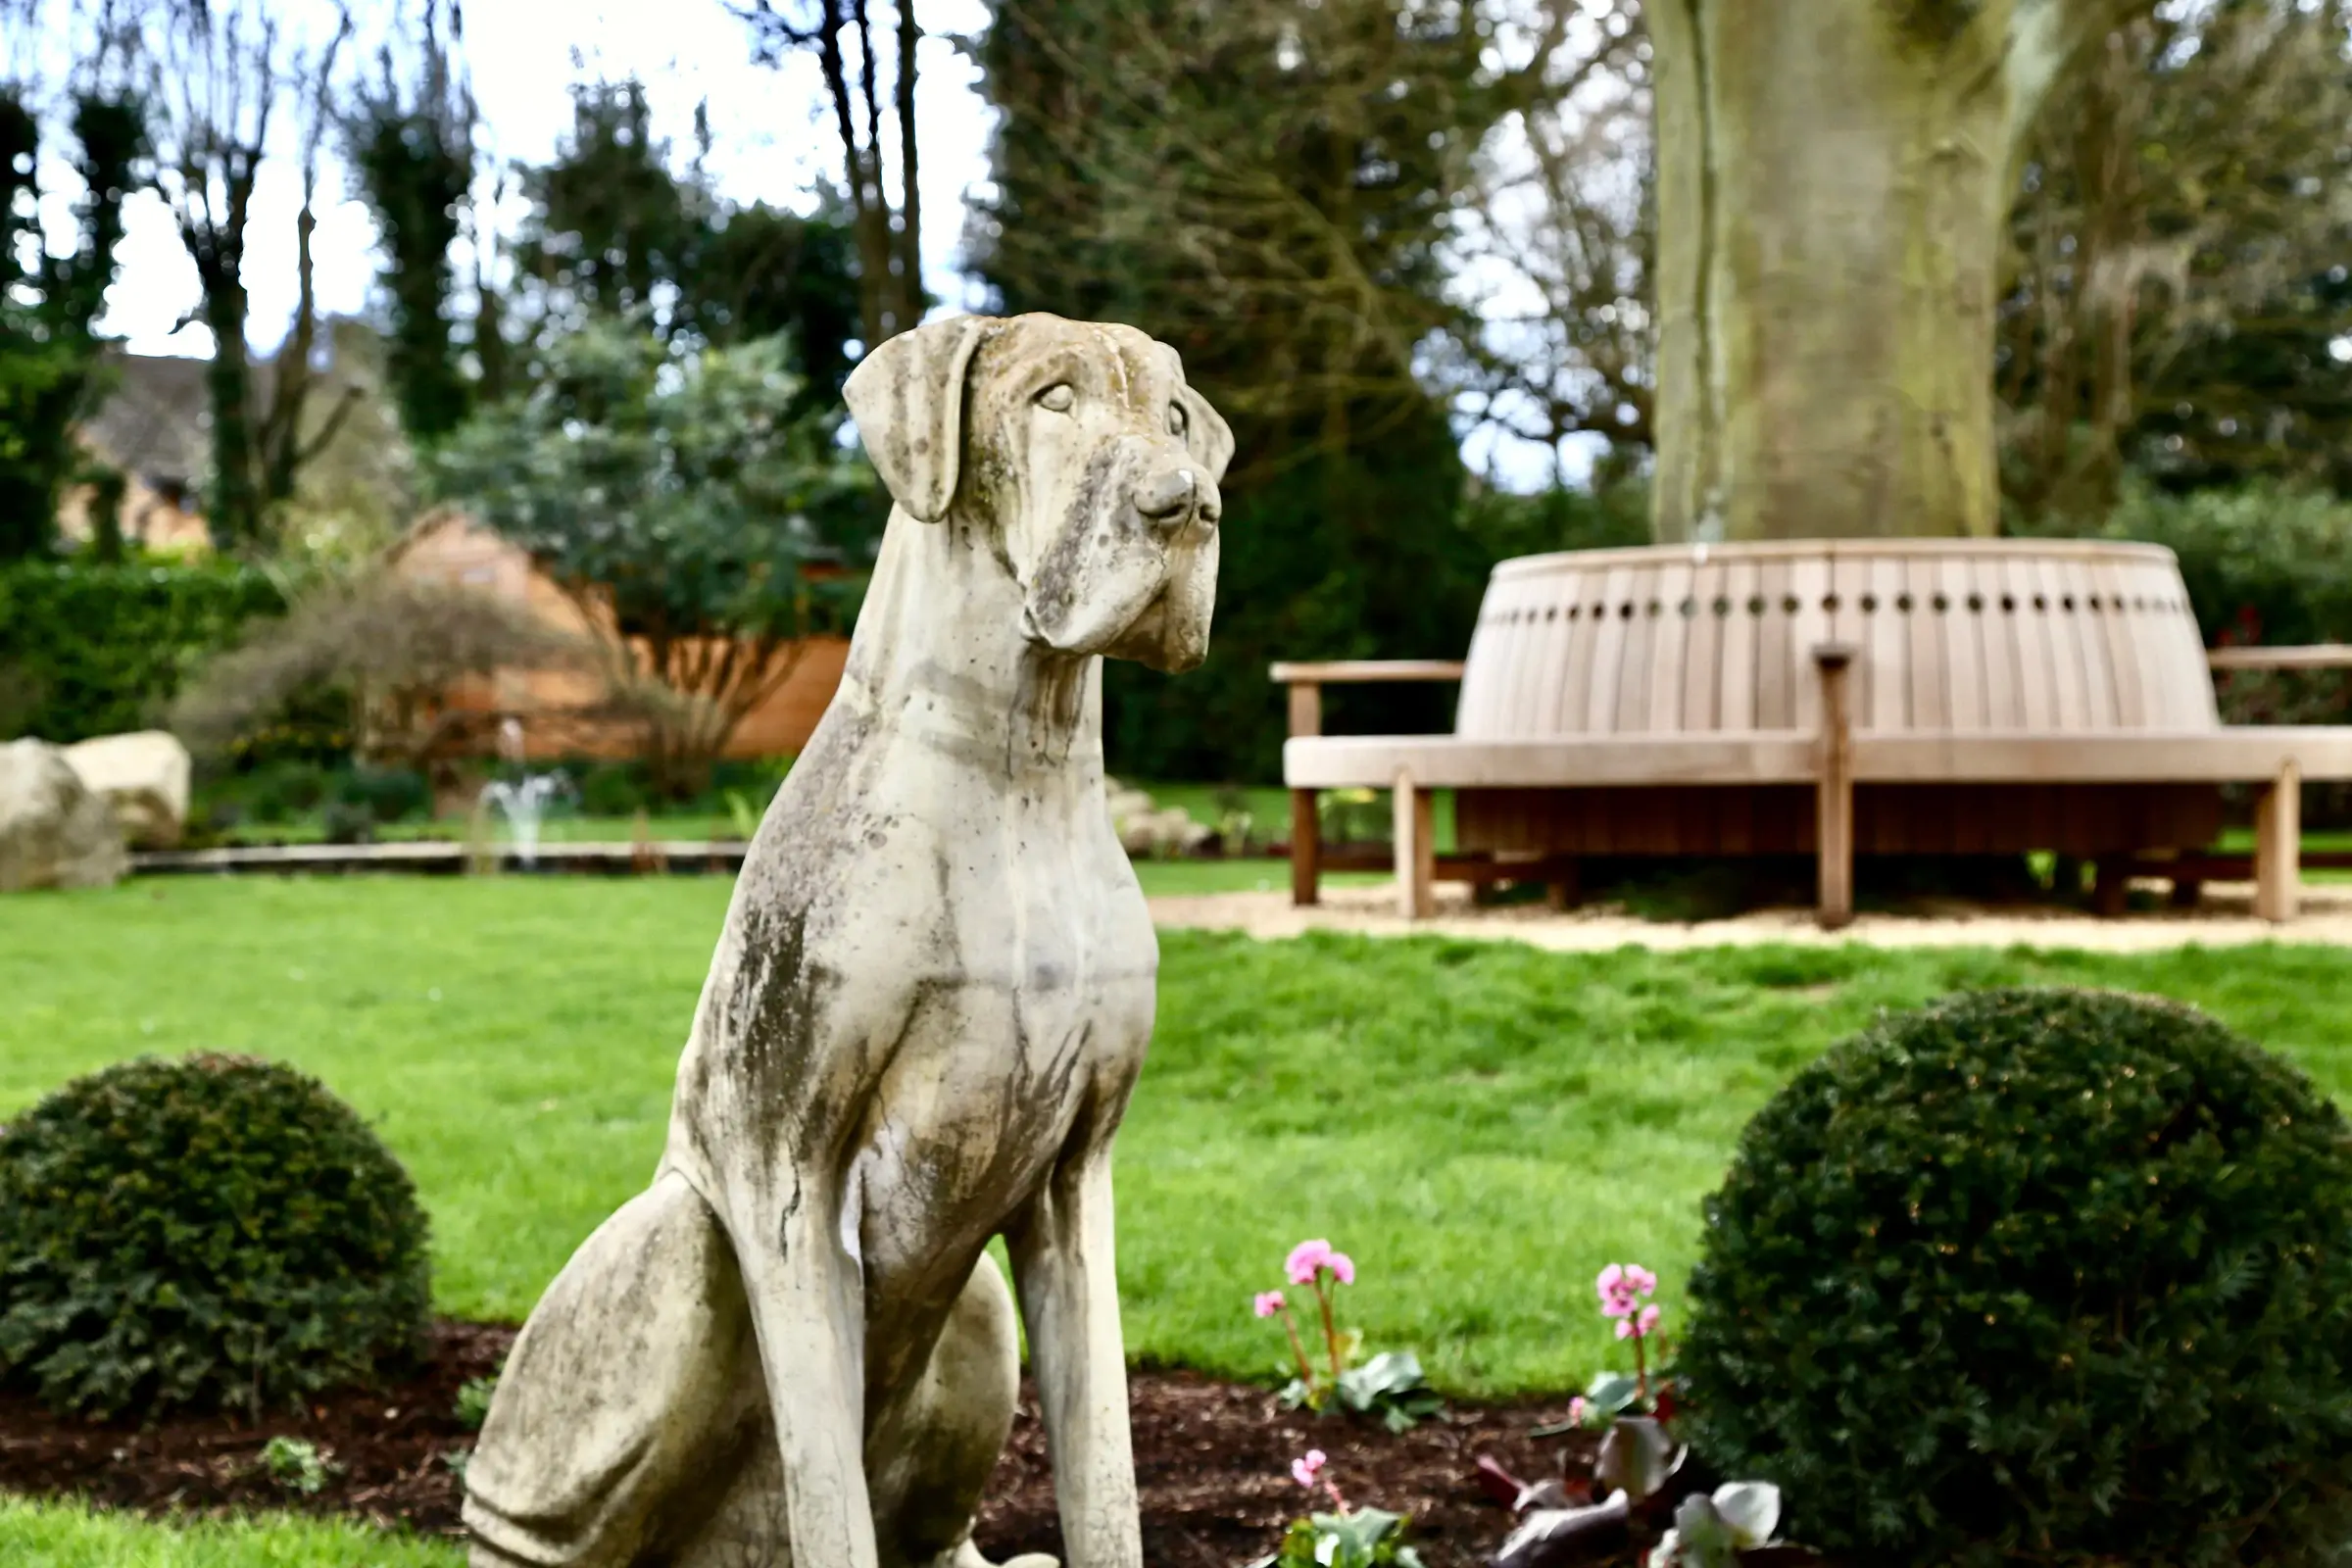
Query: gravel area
{"type": "Point", "coordinates": [2224, 917]}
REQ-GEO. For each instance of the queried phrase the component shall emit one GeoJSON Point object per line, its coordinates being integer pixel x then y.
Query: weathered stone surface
{"type": "Point", "coordinates": [53, 831]}
{"type": "Point", "coordinates": [929, 1001]}
{"type": "Point", "coordinates": [144, 777]}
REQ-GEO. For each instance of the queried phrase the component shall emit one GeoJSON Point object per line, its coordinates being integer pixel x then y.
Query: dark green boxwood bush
{"type": "Point", "coordinates": [206, 1232]}
{"type": "Point", "coordinates": [2038, 1277]}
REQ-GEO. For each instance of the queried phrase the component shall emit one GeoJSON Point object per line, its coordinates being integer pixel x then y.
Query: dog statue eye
{"type": "Point", "coordinates": [1059, 397]}
{"type": "Point", "coordinates": [1176, 420]}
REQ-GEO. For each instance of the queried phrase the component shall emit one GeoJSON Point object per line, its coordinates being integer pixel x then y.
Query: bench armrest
{"type": "Point", "coordinates": [1306, 682]}
{"type": "Point", "coordinates": [1366, 672]}
{"type": "Point", "coordinates": [2316, 655]}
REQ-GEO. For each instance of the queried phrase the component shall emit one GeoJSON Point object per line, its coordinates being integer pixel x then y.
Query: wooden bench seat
{"type": "Point", "coordinates": [2230, 756]}
{"type": "Point", "coordinates": [2277, 759]}
{"type": "Point", "coordinates": [1828, 699]}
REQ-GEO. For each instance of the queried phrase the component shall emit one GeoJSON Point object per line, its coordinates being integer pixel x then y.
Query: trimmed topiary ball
{"type": "Point", "coordinates": [2038, 1277]}
{"type": "Point", "coordinates": [199, 1234]}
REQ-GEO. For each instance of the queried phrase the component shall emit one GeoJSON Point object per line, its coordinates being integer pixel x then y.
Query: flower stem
{"type": "Point", "coordinates": [1330, 1335]}
{"type": "Point", "coordinates": [1307, 1368]}
{"type": "Point", "coordinates": [1641, 1365]}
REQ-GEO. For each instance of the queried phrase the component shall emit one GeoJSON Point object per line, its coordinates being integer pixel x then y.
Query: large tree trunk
{"type": "Point", "coordinates": [1833, 180]}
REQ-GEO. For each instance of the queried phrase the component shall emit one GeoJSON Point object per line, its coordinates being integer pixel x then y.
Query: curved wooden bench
{"type": "Point", "coordinates": [1829, 698]}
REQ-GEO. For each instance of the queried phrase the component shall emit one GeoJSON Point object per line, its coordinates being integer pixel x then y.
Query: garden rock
{"type": "Point", "coordinates": [930, 1000]}
{"type": "Point", "coordinates": [144, 777]}
{"type": "Point", "coordinates": [55, 832]}
{"type": "Point", "coordinates": [1144, 828]}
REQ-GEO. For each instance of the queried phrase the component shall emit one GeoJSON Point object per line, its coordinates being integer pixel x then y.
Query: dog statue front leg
{"type": "Point", "coordinates": [806, 1298]}
{"type": "Point", "coordinates": [1064, 1265]}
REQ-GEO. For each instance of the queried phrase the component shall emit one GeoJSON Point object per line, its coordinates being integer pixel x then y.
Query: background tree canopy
{"type": "Point", "coordinates": [682, 503]}
{"type": "Point", "coordinates": [1268, 189]}
{"type": "Point", "coordinates": [1380, 233]}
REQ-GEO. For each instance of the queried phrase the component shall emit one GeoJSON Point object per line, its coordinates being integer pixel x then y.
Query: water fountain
{"type": "Point", "coordinates": [522, 802]}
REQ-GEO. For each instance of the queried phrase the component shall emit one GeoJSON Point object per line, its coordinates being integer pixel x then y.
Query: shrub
{"type": "Point", "coordinates": [94, 650]}
{"type": "Point", "coordinates": [205, 1233]}
{"type": "Point", "coordinates": [394, 647]}
{"type": "Point", "coordinates": [2038, 1276]}
{"type": "Point", "coordinates": [387, 793]}
{"type": "Point", "coordinates": [2263, 563]}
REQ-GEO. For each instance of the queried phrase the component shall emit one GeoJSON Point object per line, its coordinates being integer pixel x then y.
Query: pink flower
{"type": "Point", "coordinates": [1578, 1411]}
{"type": "Point", "coordinates": [1342, 1268]}
{"type": "Point", "coordinates": [1305, 1469]}
{"type": "Point", "coordinates": [1267, 1303]}
{"type": "Point", "coordinates": [1621, 1287]}
{"type": "Point", "coordinates": [1305, 1259]}
{"type": "Point", "coordinates": [1640, 1328]}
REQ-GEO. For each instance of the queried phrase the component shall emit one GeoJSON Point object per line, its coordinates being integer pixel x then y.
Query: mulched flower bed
{"type": "Point", "coordinates": [1212, 1459]}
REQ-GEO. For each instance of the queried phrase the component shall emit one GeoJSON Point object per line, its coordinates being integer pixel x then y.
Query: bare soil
{"type": "Point", "coordinates": [1212, 1460]}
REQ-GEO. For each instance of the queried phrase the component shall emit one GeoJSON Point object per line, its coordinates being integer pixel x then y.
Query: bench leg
{"type": "Point", "coordinates": [1307, 850]}
{"type": "Point", "coordinates": [2188, 891]}
{"type": "Point", "coordinates": [2279, 847]}
{"type": "Point", "coordinates": [1834, 799]}
{"type": "Point", "coordinates": [2111, 888]}
{"type": "Point", "coordinates": [1416, 851]}
{"type": "Point", "coordinates": [1563, 890]}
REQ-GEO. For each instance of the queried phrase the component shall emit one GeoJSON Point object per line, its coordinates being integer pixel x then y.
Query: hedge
{"type": "Point", "coordinates": [95, 649]}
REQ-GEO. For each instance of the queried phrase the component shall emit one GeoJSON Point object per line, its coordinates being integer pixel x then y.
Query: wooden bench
{"type": "Point", "coordinates": [1830, 699]}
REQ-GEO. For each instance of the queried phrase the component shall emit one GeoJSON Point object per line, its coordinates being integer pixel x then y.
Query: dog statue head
{"type": "Point", "coordinates": [1080, 446]}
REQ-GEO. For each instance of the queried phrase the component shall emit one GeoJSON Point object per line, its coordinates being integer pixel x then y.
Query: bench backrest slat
{"type": "Point", "coordinates": [1957, 636]}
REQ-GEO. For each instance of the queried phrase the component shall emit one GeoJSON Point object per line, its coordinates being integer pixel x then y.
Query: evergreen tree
{"type": "Point", "coordinates": [1268, 189]}
{"type": "Point", "coordinates": [410, 145]}
{"type": "Point", "coordinates": [51, 357]}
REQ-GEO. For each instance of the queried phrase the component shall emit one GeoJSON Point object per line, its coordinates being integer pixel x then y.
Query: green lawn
{"type": "Point", "coordinates": [1482, 1125]}
{"type": "Point", "coordinates": [55, 1536]}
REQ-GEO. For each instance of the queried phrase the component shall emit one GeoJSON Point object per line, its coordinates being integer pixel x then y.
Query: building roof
{"type": "Point", "coordinates": [156, 426]}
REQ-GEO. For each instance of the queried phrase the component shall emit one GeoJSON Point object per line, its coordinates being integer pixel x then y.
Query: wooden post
{"type": "Point", "coordinates": [2278, 846]}
{"type": "Point", "coordinates": [1833, 820]}
{"type": "Point", "coordinates": [1307, 850]}
{"type": "Point", "coordinates": [1306, 708]}
{"type": "Point", "coordinates": [1416, 850]}
{"type": "Point", "coordinates": [2111, 888]}
{"type": "Point", "coordinates": [1306, 832]}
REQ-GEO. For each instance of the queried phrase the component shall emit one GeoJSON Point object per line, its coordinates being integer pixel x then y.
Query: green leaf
{"type": "Point", "coordinates": [1613, 1393]}
{"type": "Point", "coordinates": [1637, 1456]}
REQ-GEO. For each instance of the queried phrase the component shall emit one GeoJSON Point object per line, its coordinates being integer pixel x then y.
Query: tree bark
{"type": "Point", "coordinates": [1833, 180]}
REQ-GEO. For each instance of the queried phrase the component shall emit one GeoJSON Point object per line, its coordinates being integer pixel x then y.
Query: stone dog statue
{"type": "Point", "coordinates": [927, 1008]}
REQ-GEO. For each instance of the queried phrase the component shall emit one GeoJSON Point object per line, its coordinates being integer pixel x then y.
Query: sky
{"type": "Point", "coordinates": [773, 141]}
{"type": "Point", "coordinates": [769, 144]}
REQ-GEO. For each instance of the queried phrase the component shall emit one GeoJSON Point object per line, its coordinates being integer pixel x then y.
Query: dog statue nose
{"type": "Point", "coordinates": [1169, 495]}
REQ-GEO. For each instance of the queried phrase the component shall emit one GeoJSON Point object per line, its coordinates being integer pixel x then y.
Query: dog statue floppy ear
{"type": "Point", "coordinates": [1205, 434]}
{"type": "Point", "coordinates": [907, 396]}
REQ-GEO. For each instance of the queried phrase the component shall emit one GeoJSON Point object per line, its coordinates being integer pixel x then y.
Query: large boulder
{"type": "Point", "coordinates": [55, 830]}
{"type": "Point", "coordinates": [144, 777]}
